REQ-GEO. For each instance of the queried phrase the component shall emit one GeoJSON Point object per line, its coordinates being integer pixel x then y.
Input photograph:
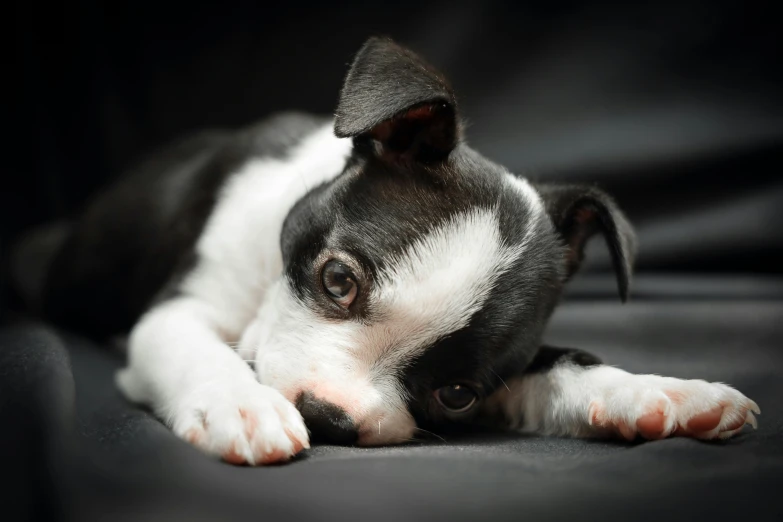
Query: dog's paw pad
{"type": "Point", "coordinates": [653, 425]}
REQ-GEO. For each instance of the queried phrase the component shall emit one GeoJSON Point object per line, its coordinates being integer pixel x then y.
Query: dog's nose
{"type": "Point", "coordinates": [326, 421]}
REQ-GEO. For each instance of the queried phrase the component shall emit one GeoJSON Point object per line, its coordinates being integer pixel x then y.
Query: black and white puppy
{"type": "Point", "coordinates": [380, 276]}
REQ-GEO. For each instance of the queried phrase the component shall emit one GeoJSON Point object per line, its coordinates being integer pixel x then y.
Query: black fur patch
{"type": "Point", "coordinates": [134, 242]}
{"type": "Point", "coordinates": [549, 356]}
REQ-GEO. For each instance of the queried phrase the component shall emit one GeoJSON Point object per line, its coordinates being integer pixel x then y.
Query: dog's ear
{"type": "Point", "coordinates": [395, 102]}
{"type": "Point", "coordinates": [578, 212]}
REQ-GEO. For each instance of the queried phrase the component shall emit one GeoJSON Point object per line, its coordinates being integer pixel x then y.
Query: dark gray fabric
{"type": "Point", "coordinates": [122, 464]}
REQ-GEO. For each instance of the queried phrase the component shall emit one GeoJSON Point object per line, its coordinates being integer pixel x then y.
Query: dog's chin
{"type": "Point", "coordinates": [370, 438]}
{"type": "Point", "coordinates": [393, 428]}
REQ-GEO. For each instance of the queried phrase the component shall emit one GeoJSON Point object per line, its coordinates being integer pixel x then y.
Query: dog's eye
{"type": "Point", "coordinates": [456, 398]}
{"type": "Point", "coordinates": [339, 283]}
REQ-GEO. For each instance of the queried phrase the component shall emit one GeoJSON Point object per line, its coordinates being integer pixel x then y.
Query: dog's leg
{"type": "Point", "coordinates": [179, 365]}
{"type": "Point", "coordinates": [569, 392]}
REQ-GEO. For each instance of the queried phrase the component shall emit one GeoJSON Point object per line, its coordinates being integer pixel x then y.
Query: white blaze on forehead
{"type": "Point", "coordinates": [443, 279]}
{"type": "Point", "coordinates": [435, 286]}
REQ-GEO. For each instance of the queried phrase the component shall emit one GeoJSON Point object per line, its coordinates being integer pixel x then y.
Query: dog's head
{"type": "Point", "coordinates": [424, 273]}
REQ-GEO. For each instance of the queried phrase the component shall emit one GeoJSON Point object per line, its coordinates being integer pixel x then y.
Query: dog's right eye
{"type": "Point", "coordinates": [339, 283]}
{"type": "Point", "coordinates": [456, 398]}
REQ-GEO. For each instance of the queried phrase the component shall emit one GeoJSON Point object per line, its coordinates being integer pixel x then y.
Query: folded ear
{"type": "Point", "coordinates": [399, 104]}
{"type": "Point", "coordinates": [578, 212]}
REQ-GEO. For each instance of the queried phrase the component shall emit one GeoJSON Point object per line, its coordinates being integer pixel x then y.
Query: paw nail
{"type": "Point", "coordinates": [595, 414]}
{"type": "Point", "coordinates": [751, 419]}
{"type": "Point", "coordinates": [232, 457]}
{"type": "Point", "coordinates": [626, 431]}
{"type": "Point", "coordinates": [299, 445]}
{"type": "Point", "coordinates": [754, 407]}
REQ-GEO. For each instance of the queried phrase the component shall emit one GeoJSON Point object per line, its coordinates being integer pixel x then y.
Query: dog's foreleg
{"type": "Point", "coordinates": [569, 392]}
{"type": "Point", "coordinates": [180, 366]}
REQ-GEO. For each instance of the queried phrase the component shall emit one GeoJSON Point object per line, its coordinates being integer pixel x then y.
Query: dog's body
{"type": "Point", "coordinates": [380, 276]}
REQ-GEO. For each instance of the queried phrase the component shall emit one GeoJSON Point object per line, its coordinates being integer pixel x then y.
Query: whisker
{"type": "Point", "coordinates": [433, 434]}
{"type": "Point", "coordinates": [501, 379]}
{"type": "Point", "coordinates": [302, 179]}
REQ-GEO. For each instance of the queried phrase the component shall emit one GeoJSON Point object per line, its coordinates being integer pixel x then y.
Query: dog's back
{"type": "Point", "coordinates": [98, 274]}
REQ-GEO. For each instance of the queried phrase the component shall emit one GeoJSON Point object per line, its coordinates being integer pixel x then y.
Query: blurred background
{"type": "Point", "coordinates": [674, 109]}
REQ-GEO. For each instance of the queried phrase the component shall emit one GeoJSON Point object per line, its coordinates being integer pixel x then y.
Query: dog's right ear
{"type": "Point", "coordinates": [579, 212]}
{"type": "Point", "coordinates": [398, 104]}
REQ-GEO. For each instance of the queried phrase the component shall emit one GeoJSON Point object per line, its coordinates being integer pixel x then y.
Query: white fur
{"type": "Point", "coordinates": [178, 361]}
{"type": "Point", "coordinates": [594, 401]}
{"type": "Point", "coordinates": [427, 292]}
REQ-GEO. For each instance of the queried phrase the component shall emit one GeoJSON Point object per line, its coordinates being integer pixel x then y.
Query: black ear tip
{"type": "Point", "coordinates": [369, 45]}
{"type": "Point", "coordinates": [625, 290]}
{"type": "Point", "coordinates": [377, 40]}
{"type": "Point", "coordinates": [343, 127]}
{"type": "Point", "coordinates": [376, 45]}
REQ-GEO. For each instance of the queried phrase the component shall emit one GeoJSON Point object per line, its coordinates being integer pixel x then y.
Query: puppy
{"type": "Point", "coordinates": [355, 280]}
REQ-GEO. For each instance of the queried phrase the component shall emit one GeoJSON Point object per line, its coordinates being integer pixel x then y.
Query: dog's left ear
{"type": "Point", "coordinates": [397, 103]}
{"type": "Point", "coordinates": [578, 212]}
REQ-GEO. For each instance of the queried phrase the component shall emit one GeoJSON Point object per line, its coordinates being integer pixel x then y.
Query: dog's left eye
{"type": "Point", "coordinates": [456, 398]}
{"type": "Point", "coordinates": [339, 283]}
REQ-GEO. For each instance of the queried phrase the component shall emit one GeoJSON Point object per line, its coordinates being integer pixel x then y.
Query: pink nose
{"type": "Point", "coordinates": [326, 421]}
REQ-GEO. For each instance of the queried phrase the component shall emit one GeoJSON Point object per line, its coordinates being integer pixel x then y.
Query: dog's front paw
{"type": "Point", "coordinates": [246, 423]}
{"type": "Point", "coordinates": [658, 407]}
